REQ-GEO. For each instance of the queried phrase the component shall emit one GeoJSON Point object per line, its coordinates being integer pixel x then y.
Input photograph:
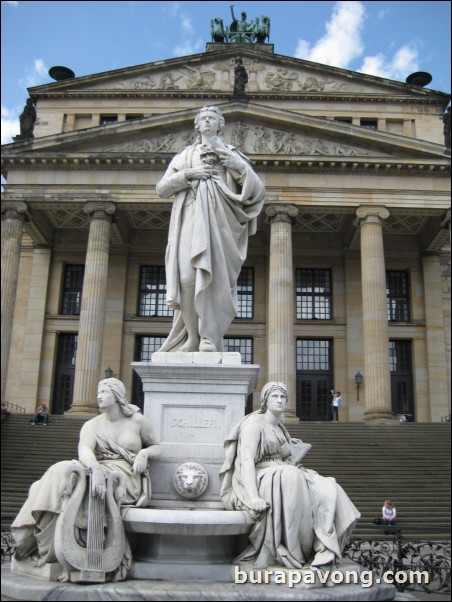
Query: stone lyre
{"type": "Point", "coordinates": [105, 539]}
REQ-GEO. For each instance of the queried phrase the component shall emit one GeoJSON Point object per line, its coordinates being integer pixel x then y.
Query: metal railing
{"type": "Point", "coordinates": [12, 408]}
{"type": "Point", "coordinates": [391, 551]}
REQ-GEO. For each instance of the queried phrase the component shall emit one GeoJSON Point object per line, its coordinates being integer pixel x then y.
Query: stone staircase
{"type": "Point", "coordinates": [27, 452]}
{"type": "Point", "coordinates": [406, 462]}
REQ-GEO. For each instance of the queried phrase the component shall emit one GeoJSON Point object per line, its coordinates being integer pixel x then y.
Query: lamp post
{"type": "Point", "coordinates": [108, 372]}
{"type": "Point", "coordinates": [358, 381]}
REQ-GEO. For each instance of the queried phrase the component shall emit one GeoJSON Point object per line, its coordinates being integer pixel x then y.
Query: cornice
{"type": "Point", "coordinates": [224, 95]}
{"type": "Point", "coordinates": [305, 164]}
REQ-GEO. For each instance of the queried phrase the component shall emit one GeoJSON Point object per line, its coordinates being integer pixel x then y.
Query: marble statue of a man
{"type": "Point", "coordinates": [218, 198]}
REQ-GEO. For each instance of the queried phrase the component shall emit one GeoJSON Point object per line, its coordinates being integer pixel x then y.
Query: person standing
{"type": "Point", "coordinates": [335, 406]}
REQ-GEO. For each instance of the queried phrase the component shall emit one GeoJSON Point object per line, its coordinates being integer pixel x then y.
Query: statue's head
{"type": "Point", "coordinates": [218, 113]}
{"type": "Point", "coordinates": [119, 391]}
{"type": "Point", "coordinates": [268, 390]}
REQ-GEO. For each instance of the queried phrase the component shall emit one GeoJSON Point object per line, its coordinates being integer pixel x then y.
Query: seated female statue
{"type": "Point", "coordinates": [119, 441]}
{"type": "Point", "coordinates": [301, 517]}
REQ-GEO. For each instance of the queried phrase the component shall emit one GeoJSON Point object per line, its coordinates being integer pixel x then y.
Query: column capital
{"type": "Point", "coordinates": [281, 213]}
{"type": "Point", "coordinates": [14, 210]}
{"type": "Point", "coordinates": [371, 214]}
{"type": "Point", "coordinates": [100, 209]}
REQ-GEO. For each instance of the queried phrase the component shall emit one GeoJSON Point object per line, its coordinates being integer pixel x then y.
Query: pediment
{"type": "Point", "coordinates": [258, 131]}
{"type": "Point", "coordinates": [214, 71]}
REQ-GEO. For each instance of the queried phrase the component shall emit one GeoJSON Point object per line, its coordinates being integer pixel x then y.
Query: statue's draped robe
{"type": "Point", "coordinates": [219, 214]}
{"type": "Point", "coordinates": [309, 518]}
{"type": "Point", "coordinates": [34, 527]}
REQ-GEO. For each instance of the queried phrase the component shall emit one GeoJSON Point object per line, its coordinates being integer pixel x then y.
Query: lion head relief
{"type": "Point", "coordinates": [191, 479]}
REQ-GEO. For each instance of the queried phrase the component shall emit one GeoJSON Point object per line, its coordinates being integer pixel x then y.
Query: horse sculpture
{"type": "Point", "coordinates": [262, 30]}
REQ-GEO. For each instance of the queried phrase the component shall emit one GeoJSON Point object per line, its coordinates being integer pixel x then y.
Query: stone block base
{"type": "Point", "coordinates": [18, 587]}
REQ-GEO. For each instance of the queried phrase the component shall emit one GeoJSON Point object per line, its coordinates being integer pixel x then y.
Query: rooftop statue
{"type": "Point", "coordinates": [27, 119]}
{"type": "Point", "coordinates": [241, 31]}
{"type": "Point", "coordinates": [240, 78]}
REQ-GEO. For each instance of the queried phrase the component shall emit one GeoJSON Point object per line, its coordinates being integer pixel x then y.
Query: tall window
{"type": "Point", "coordinates": [152, 302]}
{"type": "Point", "coordinates": [63, 385]}
{"type": "Point", "coordinates": [72, 290]}
{"type": "Point", "coordinates": [243, 345]}
{"type": "Point", "coordinates": [245, 293]}
{"type": "Point", "coordinates": [400, 363]}
{"type": "Point", "coordinates": [397, 296]}
{"type": "Point", "coordinates": [314, 355]}
{"type": "Point", "coordinates": [144, 348]}
{"type": "Point", "coordinates": [314, 378]}
{"type": "Point", "coordinates": [313, 290]}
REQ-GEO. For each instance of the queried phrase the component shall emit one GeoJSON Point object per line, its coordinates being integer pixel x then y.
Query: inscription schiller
{"type": "Point", "coordinates": [202, 423]}
{"type": "Point", "coordinates": [193, 423]}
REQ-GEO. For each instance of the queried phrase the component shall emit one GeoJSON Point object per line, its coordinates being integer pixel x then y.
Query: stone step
{"type": "Point", "coordinates": [372, 463]}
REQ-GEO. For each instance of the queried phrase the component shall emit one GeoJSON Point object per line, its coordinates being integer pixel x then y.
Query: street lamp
{"type": "Point", "coordinates": [358, 381]}
{"type": "Point", "coordinates": [108, 372]}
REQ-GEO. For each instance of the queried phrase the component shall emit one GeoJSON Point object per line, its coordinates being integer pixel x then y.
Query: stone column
{"type": "Point", "coordinates": [377, 378]}
{"type": "Point", "coordinates": [88, 369]}
{"type": "Point", "coordinates": [34, 328]}
{"type": "Point", "coordinates": [436, 332]}
{"type": "Point", "coordinates": [280, 339]}
{"type": "Point", "coordinates": [13, 217]}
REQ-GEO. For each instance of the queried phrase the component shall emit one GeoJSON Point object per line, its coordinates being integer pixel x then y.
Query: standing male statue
{"type": "Point", "coordinates": [240, 30]}
{"type": "Point", "coordinates": [218, 198]}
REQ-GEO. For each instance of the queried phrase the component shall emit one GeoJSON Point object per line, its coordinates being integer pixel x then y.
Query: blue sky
{"type": "Point", "coordinates": [387, 39]}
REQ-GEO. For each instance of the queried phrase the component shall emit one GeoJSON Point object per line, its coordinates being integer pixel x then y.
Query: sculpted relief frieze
{"type": "Point", "coordinates": [220, 76]}
{"type": "Point", "coordinates": [250, 139]}
{"type": "Point", "coordinates": [185, 78]}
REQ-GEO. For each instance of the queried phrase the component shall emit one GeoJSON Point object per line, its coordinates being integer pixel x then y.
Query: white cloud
{"type": "Point", "coordinates": [403, 62]}
{"type": "Point", "coordinates": [342, 42]}
{"type": "Point", "coordinates": [38, 74]}
{"type": "Point", "coordinates": [10, 125]}
{"type": "Point", "coordinates": [10, 2]}
{"type": "Point", "coordinates": [187, 43]}
{"type": "Point", "coordinates": [188, 47]}
{"type": "Point", "coordinates": [34, 76]}
{"type": "Point", "coordinates": [186, 25]}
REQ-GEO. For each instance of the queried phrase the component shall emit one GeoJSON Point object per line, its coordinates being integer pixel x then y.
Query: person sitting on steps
{"type": "Point", "coordinates": [42, 415]}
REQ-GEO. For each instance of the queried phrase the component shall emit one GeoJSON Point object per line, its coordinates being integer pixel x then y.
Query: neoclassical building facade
{"type": "Point", "coordinates": [346, 284]}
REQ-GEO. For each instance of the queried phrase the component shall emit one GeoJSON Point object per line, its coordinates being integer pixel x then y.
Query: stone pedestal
{"type": "Point", "coordinates": [193, 400]}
